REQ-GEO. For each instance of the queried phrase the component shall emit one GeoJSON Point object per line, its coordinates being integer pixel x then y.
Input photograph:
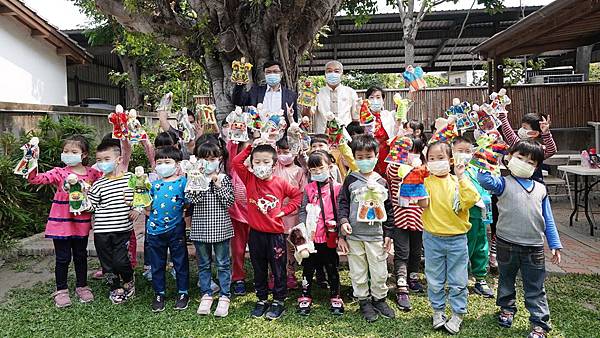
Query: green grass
{"type": "Point", "coordinates": [574, 303]}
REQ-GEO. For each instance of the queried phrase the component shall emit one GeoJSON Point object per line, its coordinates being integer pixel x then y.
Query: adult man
{"type": "Point", "coordinates": [272, 95]}
{"type": "Point", "coordinates": [336, 98]}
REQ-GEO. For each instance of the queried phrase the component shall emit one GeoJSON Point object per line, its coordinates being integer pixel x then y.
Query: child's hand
{"type": "Point", "coordinates": [214, 177]}
{"type": "Point", "coordinates": [387, 244]}
{"type": "Point", "coordinates": [343, 246]}
{"type": "Point", "coordinates": [346, 229]}
{"type": "Point", "coordinates": [459, 170]}
{"type": "Point", "coordinates": [133, 215]}
{"type": "Point", "coordinates": [555, 256]}
{"type": "Point", "coordinates": [545, 125]}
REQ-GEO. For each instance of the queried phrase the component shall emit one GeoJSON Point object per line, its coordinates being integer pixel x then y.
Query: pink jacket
{"type": "Point", "coordinates": [311, 195]}
{"type": "Point", "coordinates": [239, 210]}
{"type": "Point", "coordinates": [295, 176]}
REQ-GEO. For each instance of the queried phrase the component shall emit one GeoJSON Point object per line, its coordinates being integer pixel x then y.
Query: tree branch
{"type": "Point", "coordinates": [400, 5]}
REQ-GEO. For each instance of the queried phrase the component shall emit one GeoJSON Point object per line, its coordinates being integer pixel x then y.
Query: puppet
{"type": "Point", "coordinates": [371, 199]}
{"type": "Point", "coordinates": [119, 120]}
{"type": "Point", "coordinates": [134, 127]}
{"type": "Point", "coordinates": [77, 190]}
{"type": "Point", "coordinates": [308, 94]}
{"type": "Point", "coordinates": [238, 125]}
{"type": "Point", "coordinates": [186, 127]}
{"type": "Point", "coordinates": [140, 184]}
{"type": "Point", "coordinates": [31, 154]}
{"type": "Point", "coordinates": [414, 78]}
{"type": "Point", "coordinates": [239, 71]}
{"type": "Point", "coordinates": [196, 179]}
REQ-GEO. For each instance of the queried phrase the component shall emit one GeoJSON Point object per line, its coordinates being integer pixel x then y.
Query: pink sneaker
{"type": "Point", "coordinates": [98, 274]}
{"type": "Point", "coordinates": [292, 283]}
{"type": "Point", "coordinates": [85, 294]}
{"type": "Point", "coordinates": [61, 298]}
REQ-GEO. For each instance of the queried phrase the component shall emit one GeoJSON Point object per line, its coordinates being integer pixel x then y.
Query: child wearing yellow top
{"type": "Point", "coordinates": [445, 224]}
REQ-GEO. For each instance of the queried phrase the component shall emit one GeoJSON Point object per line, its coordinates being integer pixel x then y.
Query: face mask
{"type": "Point", "coordinates": [322, 177]}
{"type": "Point", "coordinates": [524, 133]}
{"type": "Point", "coordinates": [285, 159]}
{"type": "Point", "coordinates": [263, 171]}
{"type": "Point", "coordinates": [520, 168]}
{"type": "Point", "coordinates": [70, 159]}
{"type": "Point", "coordinates": [165, 170]}
{"type": "Point", "coordinates": [439, 168]}
{"type": "Point", "coordinates": [376, 104]}
{"type": "Point", "coordinates": [333, 78]}
{"type": "Point", "coordinates": [366, 166]}
{"type": "Point", "coordinates": [212, 166]}
{"type": "Point", "coordinates": [107, 167]}
{"type": "Point", "coordinates": [462, 158]}
{"type": "Point", "coordinates": [273, 79]}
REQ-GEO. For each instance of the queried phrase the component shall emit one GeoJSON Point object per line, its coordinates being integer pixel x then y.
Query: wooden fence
{"type": "Point", "coordinates": [569, 104]}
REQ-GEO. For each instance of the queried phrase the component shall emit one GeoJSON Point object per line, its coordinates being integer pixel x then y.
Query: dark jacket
{"type": "Point", "coordinates": [256, 95]}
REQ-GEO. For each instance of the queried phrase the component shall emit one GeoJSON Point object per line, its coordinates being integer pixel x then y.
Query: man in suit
{"type": "Point", "coordinates": [272, 95]}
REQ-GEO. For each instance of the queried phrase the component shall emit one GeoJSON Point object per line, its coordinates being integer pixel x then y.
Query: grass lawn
{"type": "Point", "coordinates": [574, 304]}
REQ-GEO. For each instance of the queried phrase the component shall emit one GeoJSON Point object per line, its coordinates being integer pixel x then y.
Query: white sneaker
{"type": "Point", "coordinates": [205, 305]}
{"type": "Point", "coordinates": [222, 309]}
{"type": "Point", "coordinates": [453, 325]}
{"type": "Point", "coordinates": [439, 319]}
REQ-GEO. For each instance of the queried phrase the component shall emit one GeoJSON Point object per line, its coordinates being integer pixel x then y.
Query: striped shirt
{"type": "Point", "coordinates": [408, 218]}
{"type": "Point", "coordinates": [108, 196]}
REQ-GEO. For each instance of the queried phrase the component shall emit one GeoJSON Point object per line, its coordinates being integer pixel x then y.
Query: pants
{"type": "Point", "coordinates": [113, 255]}
{"type": "Point", "coordinates": [174, 241]}
{"type": "Point", "coordinates": [531, 262]}
{"type": "Point", "coordinates": [446, 260]}
{"type": "Point", "coordinates": [238, 249]}
{"type": "Point", "coordinates": [407, 254]}
{"type": "Point", "coordinates": [493, 224]}
{"type": "Point", "coordinates": [291, 260]}
{"type": "Point", "coordinates": [132, 248]}
{"type": "Point", "coordinates": [326, 257]}
{"type": "Point", "coordinates": [267, 249]}
{"type": "Point", "coordinates": [204, 253]}
{"type": "Point", "coordinates": [64, 250]}
{"type": "Point", "coordinates": [368, 259]}
{"type": "Point", "coordinates": [478, 248]}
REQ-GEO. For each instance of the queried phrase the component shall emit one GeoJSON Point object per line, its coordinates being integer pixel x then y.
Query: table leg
{"type": "Point", "coordinates": [576, 208]}
{"type": "Point", "coordinates": [586, 194]}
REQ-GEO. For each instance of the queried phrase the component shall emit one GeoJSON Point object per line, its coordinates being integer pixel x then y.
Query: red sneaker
{"type": "Point", "coordinates": [98, 274]}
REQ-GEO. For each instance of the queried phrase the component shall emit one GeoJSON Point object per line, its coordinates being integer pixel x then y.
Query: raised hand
{"type": "Point", "coordinates": [545, 125]}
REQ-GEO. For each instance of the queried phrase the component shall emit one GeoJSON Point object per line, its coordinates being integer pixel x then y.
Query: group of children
{"type": "Point", "coordinates": [258, 193]}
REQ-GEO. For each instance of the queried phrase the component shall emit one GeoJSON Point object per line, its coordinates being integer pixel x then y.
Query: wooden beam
{"type": "Point", "coordinates": [39, 34]}
{"type": "Point", "coordinates": [64, 51]}
{"type": "Point", "coordinates": [4, 10]}
{"type": "Point", "coordinates": [437, 53]}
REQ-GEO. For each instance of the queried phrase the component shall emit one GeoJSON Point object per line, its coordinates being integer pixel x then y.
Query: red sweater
{"type": "Point", "coordinates": [265, 197]}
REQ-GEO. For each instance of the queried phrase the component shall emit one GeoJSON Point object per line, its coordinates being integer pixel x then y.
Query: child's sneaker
{"type": "Point", "coordinates": [439, 319]}
{"type": "Point", "coordinates": [415, 286]}
{"type": "Point", "coordinates": [481, 288]}
{"type": "Point", "coordinates": [129, 288]}
{"type": "Point", "coordinates": [383, 308]}
{"type": "Point", "coordinates": [367, 310]}
{"type": "Point", "coordinates": [222, 309]}
{"type": "Point", "coordinates": [453, 325]}
{"type": "Point", "coordinates": [337, 306]}
{"type": "Point", "coordinates": [158, 304]}
{"type": "Point", "coordinates": [182, 301]}
{"type": "Point", "coordinates": [304, 305]}
{"type": "Point", "coordinates": [403, 301]}
{"type": "Point", "coordinates": [276, 310]}
{"type": "Point", "coordinates": [98, 274]}
{"type": "Point", "coordinates": [291, 282]}
{"type": "Point", "coordinates": [85, 294]}
{"type": "Point", "coordinates": [260, 308]}
{"type": "Point", "coordinates": [117, 296]}
{"type": "Point", "coordinates": [505, 318]}
{"type": "Point", "coordinates": [61, 298]}
{"type": "Point", "coordinates": [205, 305]}
{"type": "Point", "coordinates": [537, 332]}
{"type": "Point", "coordinates": [239, 288]}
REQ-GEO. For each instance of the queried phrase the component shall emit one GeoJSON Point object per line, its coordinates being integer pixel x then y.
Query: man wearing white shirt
{"type": "Point", "coordinates": [336, 98]}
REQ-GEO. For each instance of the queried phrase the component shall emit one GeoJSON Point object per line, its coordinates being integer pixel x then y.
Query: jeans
{"type": "Point", "coordinates": [326, 257]}
{"type": "Point", "coordinates": [112, 249]}
{"type": "Point", "coordinates": [407, 254]}
{"type": "Point", "coordinates": [268, 250]}
{"type": "Point", "coordinates": [222, 261]}
{"type": "Point", "coordinates": [174, 241]}
{"type": "Point", "coordinates": [64, 250]}
{"type": "Point", "coordinates": [531, 262]}
{"type": "Point", "coordinates": [446, 260]}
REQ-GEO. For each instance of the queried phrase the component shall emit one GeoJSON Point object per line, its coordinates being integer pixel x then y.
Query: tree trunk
{"type": "Point", "coordinates": [409, 52]}
{"type": "Point", "coordinates": [132, 88]}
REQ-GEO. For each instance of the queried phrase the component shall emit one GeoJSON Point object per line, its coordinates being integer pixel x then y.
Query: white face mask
{"type": "Point", "coordinates": [524, 134]}
{"type": "Point", "coordinates": [376, 104]}
{"type": "Point", "coordinates": [263, 171]}
{"type": "Point", "coordinates": [520, 168]}
{"type": "Point", "coordinates": [439, 168]}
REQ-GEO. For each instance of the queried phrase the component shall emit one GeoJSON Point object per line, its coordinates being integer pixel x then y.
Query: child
{"type": "Point", "coordinates": [265, 194]}
{"type": "Point", "coordinates": [520, 235]}
{"type": "Point", "coordinates": [322, 192]}
{"type": "Point", "coordinates": [68, 231]}
{"type": "Point", "coordinates": [366, 243]}
{"type": "Point", "coordinates": [165, 228]}
{"type": "Point", "coordinates": [320, 142]}
{"type": "Point", "coordinates": [113, 221]}
{"type": "Point", "coordinates": [408, 232]}
{"type": "Point", "coordinates": [294, 175]}
{"type": "Point", "coordinates": [212, 229]}
{"type": "Point", "coordinates": [446, 222]}
{"type": "Point", "coordinates": [354, 128]}
{"type": "Point", "coordinates": [418, 130]}
{"type": "Point", "coordinates": [478, 217]}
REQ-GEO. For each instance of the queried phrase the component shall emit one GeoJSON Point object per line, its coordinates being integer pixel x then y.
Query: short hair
{"type": "Point", "coordinates": [418, 146]}
{"type": "Point", "coordinates": [271, 63]}
{"type": "Point", "coordinates": [111, 144]}
{"type": "Point", "coordinates": [445, 147]}
{"type": "Point", "coordinates": [166, 138]}
{"type": "Point", "coordinates": [364, 143]}
{"type": "Point", "coordinates": [208, 149]}
{"type": "Point", "coordinates": [533, 120]}
{"type": "Point", "coordinates": [318, 158]}
{"type": "Point", "coordinates": [319, 138]}
{"type": "Point", "coordinates": [168, 152]}
{"type": "Point", "coordinates": [354, 128]}
{"type": "Point", "coordinates": [81, 142]}
{"type": "Point", "coordinates": [374, 89]}
{"type": "Point", "coordinates": [461, 139]}
{"type": "Point", "coordinates": [283, 143]}
{"type": "Point", "coordinates": [414, 125]}
{"type": "Point", "coordinates": [335, 63]}
{"type": "Point", "coordinates": [264, 148]}
{"type": "Point", "coordinates": [191, 113]}
{"type": "Point", "coordinates": [106, 137]}
{"type": "Point", "coordinates": [530, 148]}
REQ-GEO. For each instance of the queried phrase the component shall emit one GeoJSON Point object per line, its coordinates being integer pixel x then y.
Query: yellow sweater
{"type": "Point", "coordinates": [343, 151]}
{"type": "Point", "coordinates": [439, 217]}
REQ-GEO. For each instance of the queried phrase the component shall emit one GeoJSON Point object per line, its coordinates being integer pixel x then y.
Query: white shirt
{"type": "Point", "coordinates": [342, 102]}
{"type": "Point", "coordinates": [272, 100]}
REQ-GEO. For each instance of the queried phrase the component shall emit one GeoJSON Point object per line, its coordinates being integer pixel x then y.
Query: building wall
{"type": "Point", "coordinates": [31, 70]}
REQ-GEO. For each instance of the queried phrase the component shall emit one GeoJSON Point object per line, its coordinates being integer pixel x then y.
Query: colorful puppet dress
{"type": "Point", "coordinates": [412, 187]}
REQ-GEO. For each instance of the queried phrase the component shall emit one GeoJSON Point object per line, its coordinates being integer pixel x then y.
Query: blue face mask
{"type": "Point", "coordinates": [165, 170]}
{"type": "Point", "coordinates": [107, 167]}
{"type": "Point", "coordinates": [322, 177]}
{"type": "Point", "coordinates": [70, 159]}
{"type": "Point", "coordinates": [366, 166]}
{"type": "Point", "coordinates": [376, 104]}
{"type": "Point", "coordinates": [333, 78]}
{"type": "Point", "coordinates": [273, 79]}
{"type": "Point", "coordinates": [212, 166]}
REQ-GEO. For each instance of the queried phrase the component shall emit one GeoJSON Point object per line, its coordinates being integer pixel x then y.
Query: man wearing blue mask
{"type": "Point", "coordinates": [272, 95]}
{"type": "Point", "coordinates": [336, 98]}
